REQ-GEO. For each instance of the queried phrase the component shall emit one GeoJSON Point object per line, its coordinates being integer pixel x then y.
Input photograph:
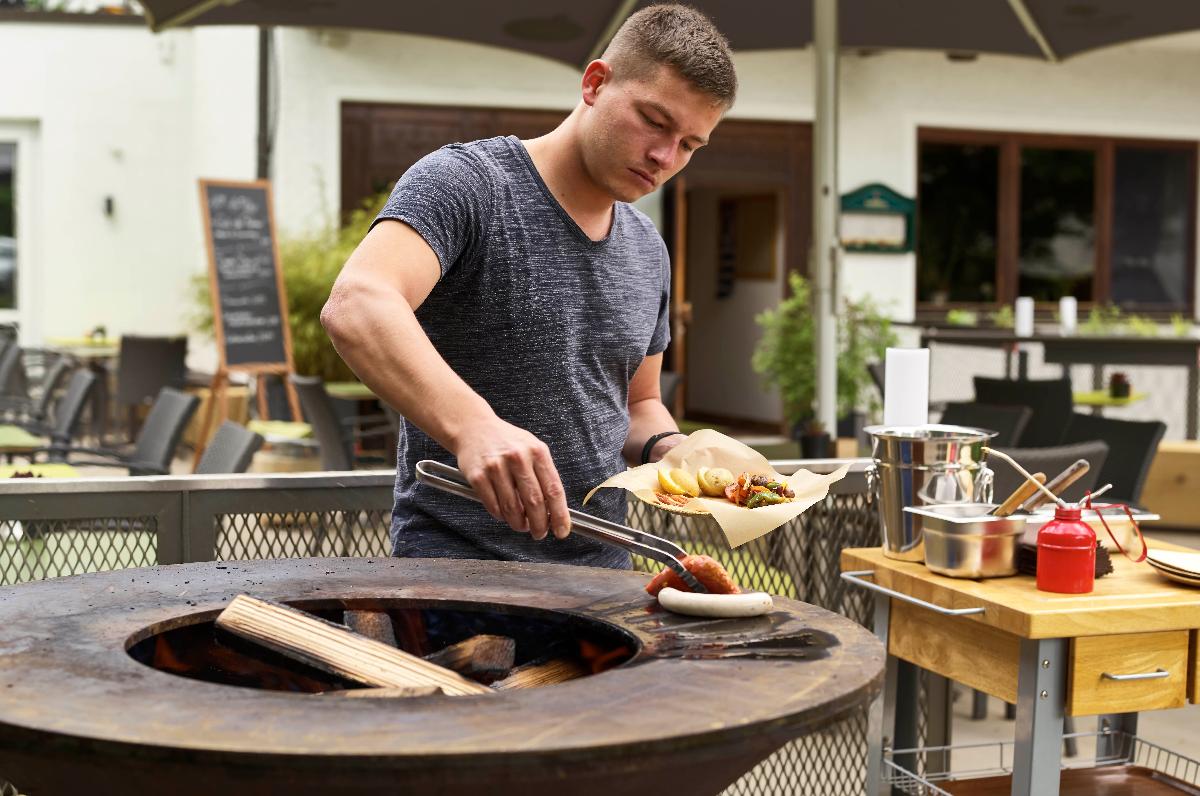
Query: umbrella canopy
{"type": "Point", "coordinates": [577, 32]}
{"type": "Point", "coordinates": [572, 32]}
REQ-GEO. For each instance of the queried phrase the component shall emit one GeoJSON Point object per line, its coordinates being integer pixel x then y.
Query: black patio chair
{"type": "Point", "coordinates": [1051, 461]}
{"type": "Point", "coordinates": [1131, 445]}
{"type": "Point", "coordinates": [1007, 421]}
{"type": "Point", "coordinates": [336, 437]}
{"type": "Point", "coordinates": [32, 413]}
{"type": "Point", "coordinates": [154, 448]}
{"type": "Point", "coordinates": [1051, 402]}
{"type": "Point", "coordinates": [230, 450]}
{"type": "Point", "coordinates": [13, 381]}
{"type": "Point", "coordinates": [68, 409]}
{"type": "Point", "coordinates": [144, 366]}
{"type": "Point", "coordinates": [668, 387]}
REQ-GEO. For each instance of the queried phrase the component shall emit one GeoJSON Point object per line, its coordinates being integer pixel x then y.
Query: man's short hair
{"type": "Point", "coordinates": [678, 36]}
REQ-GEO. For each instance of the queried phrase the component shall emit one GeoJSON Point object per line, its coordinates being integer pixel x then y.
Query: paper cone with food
{"type": "Point", "coordinates": [710, 473]}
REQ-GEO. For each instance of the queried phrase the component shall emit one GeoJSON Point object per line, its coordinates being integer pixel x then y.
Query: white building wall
{"type": "Point", "coordinates": [116, 111]}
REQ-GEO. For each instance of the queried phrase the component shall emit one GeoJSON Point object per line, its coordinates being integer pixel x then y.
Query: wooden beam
{"type": "Point", "coordinates": [536, 675]}
{"type": "Point", "coordinates": [375, 625]}
{"type": "Point", "coordinates": [334, 649]}
{"type": "Point", "coordinates": [483, 657]}
{"type": "Point", "coordinates": [385, 693]}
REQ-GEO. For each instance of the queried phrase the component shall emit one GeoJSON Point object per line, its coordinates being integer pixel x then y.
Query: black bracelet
{"type": "Point", "coordinates": [650, 443]}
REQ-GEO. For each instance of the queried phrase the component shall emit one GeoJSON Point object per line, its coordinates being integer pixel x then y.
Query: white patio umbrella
{"type": "Point", "coordinates": [577, 32]}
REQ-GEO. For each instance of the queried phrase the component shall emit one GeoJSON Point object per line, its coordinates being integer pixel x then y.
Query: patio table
{"type": "Point", "coordinates": [14, 440]}
{"type": "Point", "coordinates": [1097, 351]}
{"type": "Point", "coordinates": [1130, 645]}
{"type": "Point", "coordinates": [46, 470]}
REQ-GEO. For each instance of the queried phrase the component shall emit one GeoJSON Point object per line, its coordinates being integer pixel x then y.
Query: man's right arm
{"type": "Point", "coordinates": [370, 318]}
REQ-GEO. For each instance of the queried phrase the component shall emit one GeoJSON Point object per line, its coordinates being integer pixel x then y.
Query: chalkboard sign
{"type": "Point", "coordinates": [249, 302]}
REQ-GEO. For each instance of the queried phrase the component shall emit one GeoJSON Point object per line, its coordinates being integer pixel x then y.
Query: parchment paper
{"type": "Point", "coordinates": [708, 448]}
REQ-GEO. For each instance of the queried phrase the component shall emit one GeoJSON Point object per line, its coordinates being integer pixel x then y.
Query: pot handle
{"type": "Point", "coordinates": [857, 579]}
{"type": "Point", "coordinates": [984, 482]}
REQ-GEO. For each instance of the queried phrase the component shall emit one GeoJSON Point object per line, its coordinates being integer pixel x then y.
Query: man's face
{"type": "Point", "coordinates": [639, 132]}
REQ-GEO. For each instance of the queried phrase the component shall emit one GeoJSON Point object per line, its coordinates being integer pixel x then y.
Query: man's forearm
{"type": "Point", "coordinates": [379, 337]}
{"type": "Point", "coordinates": [647, 418]}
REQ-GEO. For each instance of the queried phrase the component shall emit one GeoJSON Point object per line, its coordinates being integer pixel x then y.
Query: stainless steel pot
{"type": "Point", "coordinates": [963, 541]}
{"type": "Point", "coordinates": [920, 466]}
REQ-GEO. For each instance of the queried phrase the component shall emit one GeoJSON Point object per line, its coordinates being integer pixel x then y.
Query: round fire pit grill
{"type": "Point", "coordinates": [697, 704]}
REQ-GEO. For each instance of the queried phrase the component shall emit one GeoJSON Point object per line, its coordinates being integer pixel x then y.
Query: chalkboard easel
{"type": "Point", "coordinates": [250, 319]}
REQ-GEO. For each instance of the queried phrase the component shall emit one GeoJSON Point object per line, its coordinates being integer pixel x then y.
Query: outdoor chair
{"type": "Point", "coordinates": [68, 409]}
{"type": "Point", "coordinates": [668, 387]}
{"type": "Point", "coordinates": [1051, 461]}
{"type": "Point", "coordinates": [13, 381]}
{"type": "Point", "coordinates": [32, 413]}
{"type": "Point", "coordinates": [1131, 449]}
{"type": "Point", "coordinates": [1050, 401]}
{"type": "Point", "coordinates": [230, 450]}
{"type": "Point", "coordinates": [144, 366]}
{"type": "Point", "coordinates": [1007, 421]}
{"type": "Point", "coordinates": [155, 446]}
{"type": "Point", "coordinates": [336, 437]}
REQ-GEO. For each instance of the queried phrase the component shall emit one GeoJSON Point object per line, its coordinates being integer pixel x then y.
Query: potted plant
{"type": "Point", "coordinates": [786, 358]}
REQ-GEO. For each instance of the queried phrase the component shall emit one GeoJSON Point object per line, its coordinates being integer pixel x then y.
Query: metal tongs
{"type": "Point", "coordinates": [450, 479]}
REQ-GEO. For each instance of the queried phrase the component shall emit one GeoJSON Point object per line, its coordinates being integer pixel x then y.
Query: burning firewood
{"type": "Point", "coordinates": [535, 675]}
{"type": "Point", "coordinates": [332, 648]}
{"type": "Point", "coordinates": [375, 625]}
{"type": "Point", "coordinates": [484, 658]}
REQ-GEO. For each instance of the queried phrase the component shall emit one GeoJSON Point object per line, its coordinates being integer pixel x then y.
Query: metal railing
{"type": "Point", "coordinates": [53, 528]}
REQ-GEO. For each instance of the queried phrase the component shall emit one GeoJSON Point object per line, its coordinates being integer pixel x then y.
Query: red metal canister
{"type": "Point", "coordinates": [1066, 553]}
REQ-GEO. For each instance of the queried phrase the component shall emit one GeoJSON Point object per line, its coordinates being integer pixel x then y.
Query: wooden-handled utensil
{"type": "Point", "coordinates": [1058, 484]}
{"type": "Point", "coordinates": [1019, 495]}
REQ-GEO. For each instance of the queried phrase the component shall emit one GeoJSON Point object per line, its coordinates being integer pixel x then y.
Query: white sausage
{"type": "Point", "coordinates": [715, 605]}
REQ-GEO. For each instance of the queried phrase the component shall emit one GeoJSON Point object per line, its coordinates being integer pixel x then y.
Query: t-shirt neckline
{"type": "Point", "coordinates": [519, 147]}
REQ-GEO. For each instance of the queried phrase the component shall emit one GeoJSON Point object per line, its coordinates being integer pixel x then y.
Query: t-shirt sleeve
{"type": "Point", "coordinates": [447, 198]}
{"type": "Point", "coordinates": [662, 330]}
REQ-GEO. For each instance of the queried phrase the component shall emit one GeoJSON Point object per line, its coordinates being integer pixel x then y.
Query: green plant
{"type": "Point", "coordinates": [786, 357]}
{"type": "Point", "coordinates": [1141, 326]}
{"type": "Point", "coordinates": [962, 317]}
{"type": "Point", "coordinates": [1181, 326]}
{"type": "Point", "coordinates": [310, 263]}
{"type": "Point", "coordinates": [1003, 318]}
{"type": "Point", "coordinates": [1102, 319]}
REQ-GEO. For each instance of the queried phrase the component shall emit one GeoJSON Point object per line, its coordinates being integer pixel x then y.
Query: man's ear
{"type": "Point", "coordinates": [596, 75]}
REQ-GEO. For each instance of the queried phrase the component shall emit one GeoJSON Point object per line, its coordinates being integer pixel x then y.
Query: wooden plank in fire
{"type": "Point", "coordinates": [332, 648]}
{"type": "Point", "coordinates": [375, 625]}
{"type": "Point", "coordinates": [535, 675]}
{"type": "Point", "coordinates": [484, 656]}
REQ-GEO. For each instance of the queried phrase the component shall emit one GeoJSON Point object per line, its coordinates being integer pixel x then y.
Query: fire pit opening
{"type": "Point", "coordinates": [561, 644]}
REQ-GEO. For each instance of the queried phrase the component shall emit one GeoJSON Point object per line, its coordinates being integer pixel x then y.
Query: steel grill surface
{"type": "Point", "coordinates": [799, 560]}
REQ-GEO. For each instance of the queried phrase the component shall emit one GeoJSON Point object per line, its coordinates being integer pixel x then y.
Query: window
{"type": "Point", "coordinates": [1002, 215]}
{"type": "Point", "coordinates": [8, 226]}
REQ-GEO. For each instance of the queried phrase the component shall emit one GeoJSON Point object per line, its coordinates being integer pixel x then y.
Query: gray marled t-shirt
{"type": "Point", "coordinates": [545, 324]}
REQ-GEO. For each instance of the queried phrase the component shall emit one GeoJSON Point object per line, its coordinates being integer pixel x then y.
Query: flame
{"type": "Point", "coordinates": [598, 659]}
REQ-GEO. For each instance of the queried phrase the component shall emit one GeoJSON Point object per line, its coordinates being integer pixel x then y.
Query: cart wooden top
{"type": "Point", "coordinates": [1133, 599]}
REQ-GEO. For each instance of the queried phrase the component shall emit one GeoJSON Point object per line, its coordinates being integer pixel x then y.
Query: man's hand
{"type": "Point", "coordinates": [515, 476]}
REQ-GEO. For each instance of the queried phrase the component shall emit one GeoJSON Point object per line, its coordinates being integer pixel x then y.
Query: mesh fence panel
{"type": "Point", "coordinates": [799, 560]}
{"type": "Point", "coordinates": [39, 549]}
{"type": "Point", "coordinates": [302, 534]}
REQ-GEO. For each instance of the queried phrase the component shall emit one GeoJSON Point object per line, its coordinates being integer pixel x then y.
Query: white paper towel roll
{"type": "Point", "coordinates": [1024, 317]}
{"type": "Point", "coordinates": [1068, 315]}
{"type": "Point", "coordinates": [906, 387]}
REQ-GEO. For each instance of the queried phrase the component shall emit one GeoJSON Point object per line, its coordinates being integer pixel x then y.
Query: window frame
{"type": "Point", "coordinates": [1008, 207]}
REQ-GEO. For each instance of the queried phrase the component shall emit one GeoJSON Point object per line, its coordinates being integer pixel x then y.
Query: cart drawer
{"type": "Point", "coordinates": [1101, 668]}
{"type": "Point", "coordinates": [1194, 669]}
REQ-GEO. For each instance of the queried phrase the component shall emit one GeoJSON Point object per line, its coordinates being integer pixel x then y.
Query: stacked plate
{"type": "Point", "coordinates": [1175, 565]}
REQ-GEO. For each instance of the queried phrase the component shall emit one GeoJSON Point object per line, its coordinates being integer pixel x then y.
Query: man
{"type": "Point", "coordinates": [513, 307]}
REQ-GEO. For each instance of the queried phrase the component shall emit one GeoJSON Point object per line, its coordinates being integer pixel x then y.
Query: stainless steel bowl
{"type": "Point", "coordinates": [963, 541]}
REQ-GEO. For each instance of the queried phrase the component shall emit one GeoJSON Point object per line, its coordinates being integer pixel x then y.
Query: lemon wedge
{"type": "Point", "coordinates": [685, 481]}
{"type": "Point", "coordinates": [668, 484]}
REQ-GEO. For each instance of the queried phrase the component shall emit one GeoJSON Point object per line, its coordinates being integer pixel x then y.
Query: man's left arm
{"type": "Point", "coordinates": [648, 416]}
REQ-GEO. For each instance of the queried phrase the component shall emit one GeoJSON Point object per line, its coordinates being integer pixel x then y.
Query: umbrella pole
{"type": "Point", "coordinates": [264, 104]}
{"type": "Point", "coordinates": [825, 195]}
